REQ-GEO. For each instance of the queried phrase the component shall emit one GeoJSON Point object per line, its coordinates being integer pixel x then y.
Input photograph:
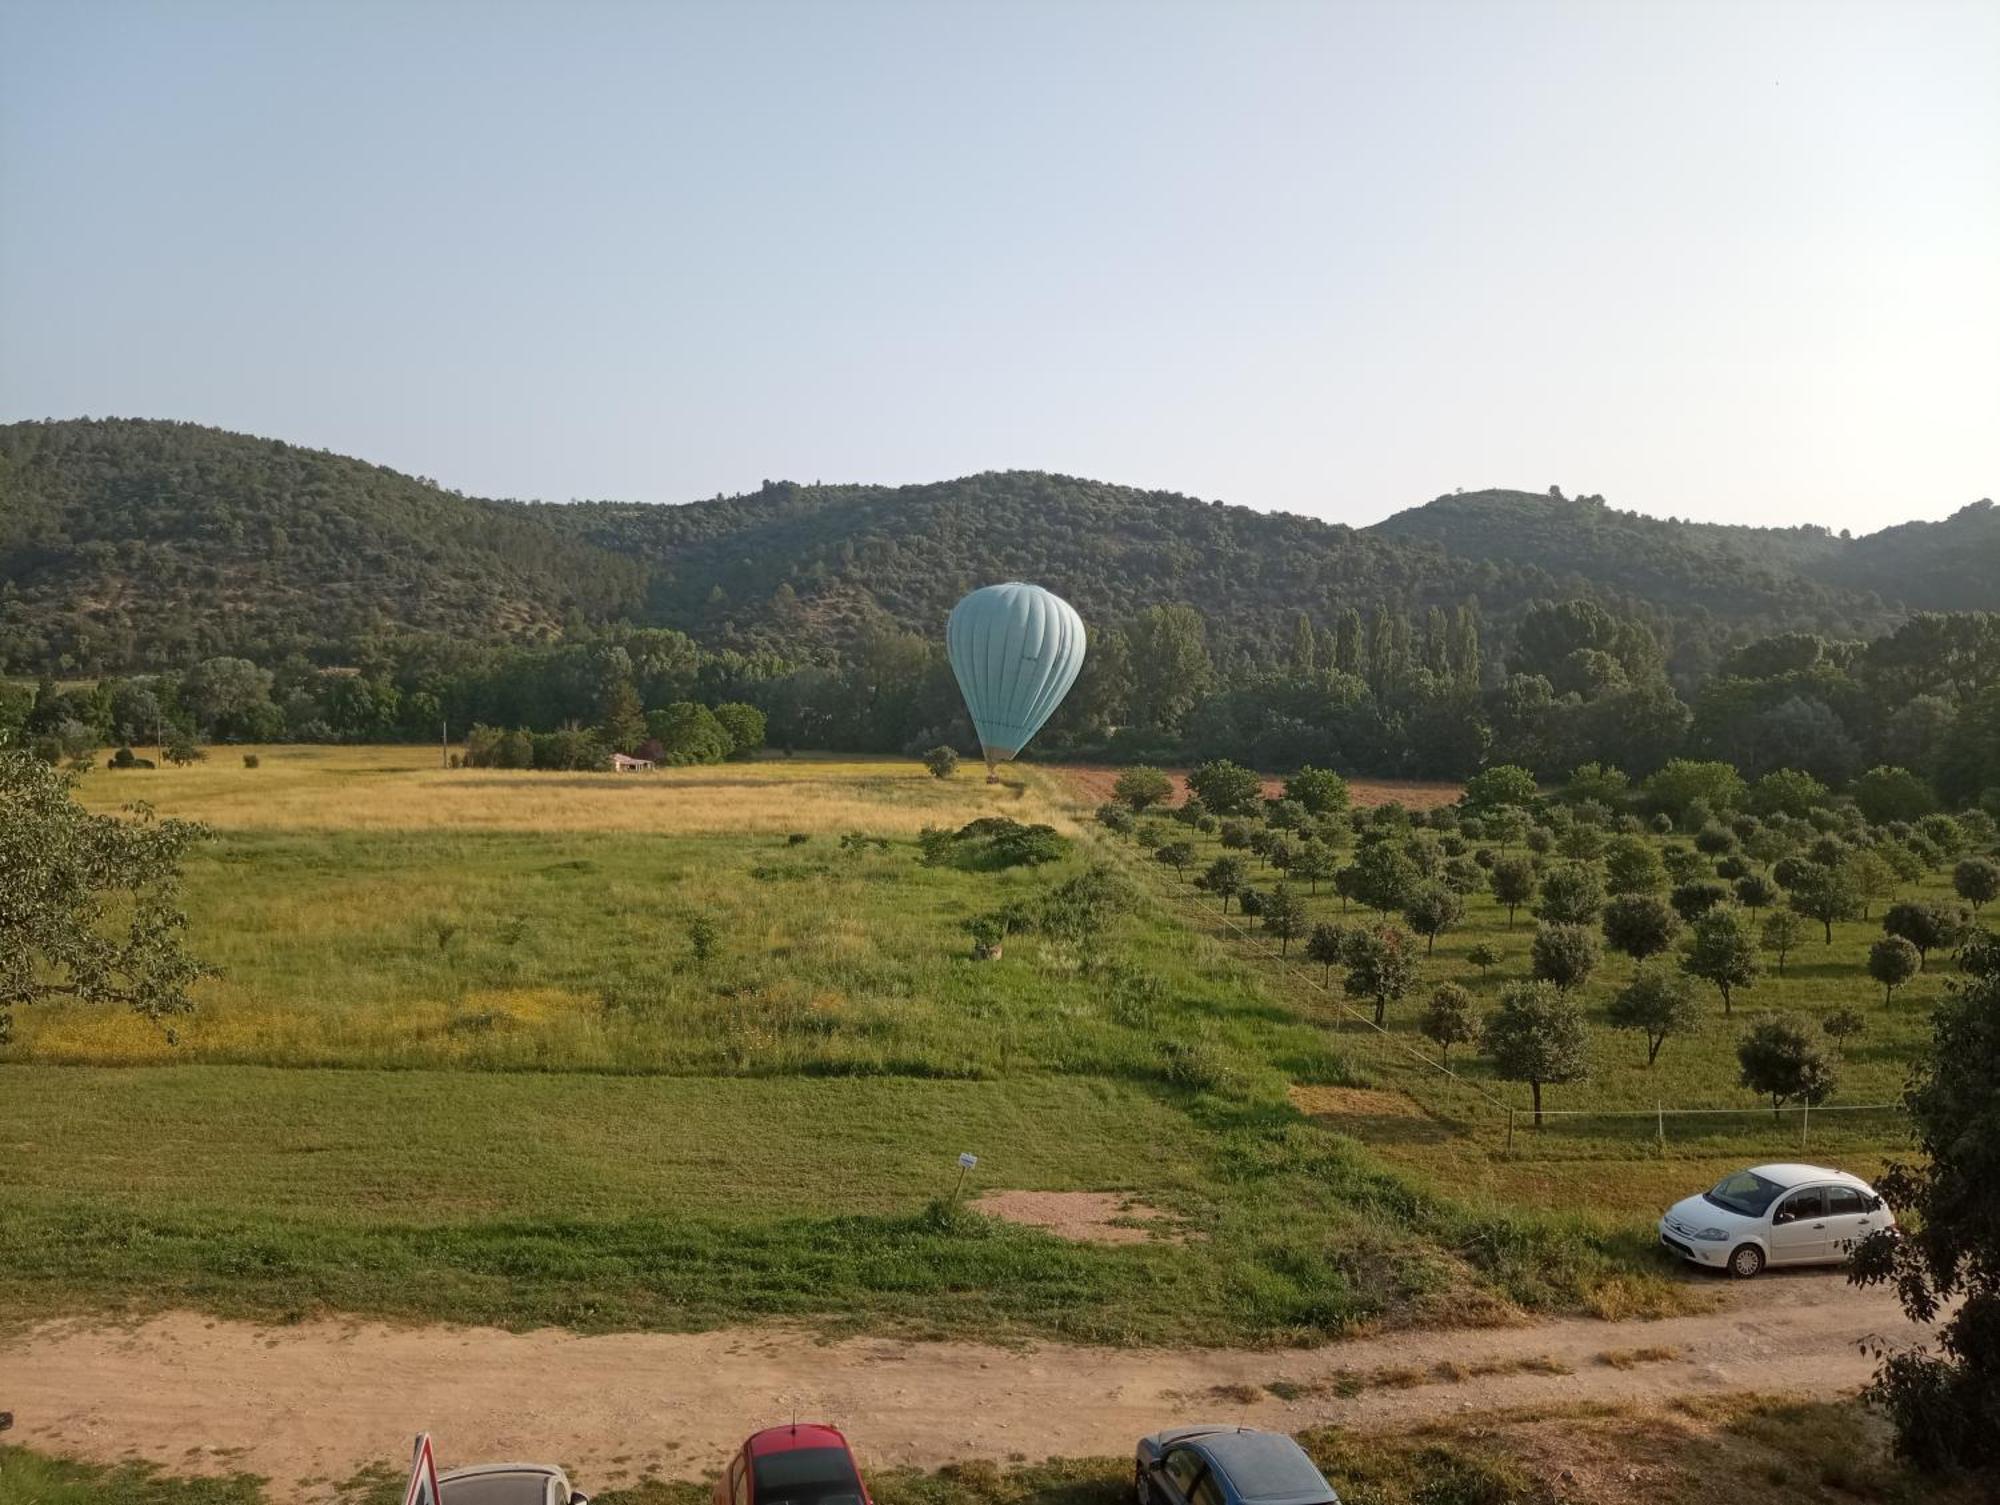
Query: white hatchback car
{"type": "Point", "coordinates": [508, 1484]}
{"type": "Point", "coordinates": [1774, 1215]}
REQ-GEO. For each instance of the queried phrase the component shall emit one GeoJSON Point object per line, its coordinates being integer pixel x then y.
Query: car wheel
{"type": "Point", "coordinates": [1746, 1261]}
{"type": "Point", "coordinates": [1139, 1485]}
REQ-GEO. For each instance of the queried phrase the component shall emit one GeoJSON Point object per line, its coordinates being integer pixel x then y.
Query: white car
{"type": "Point", "coordinates": [1775, 1215]}
{"type": "Point", "coordinates": [508, 1484]}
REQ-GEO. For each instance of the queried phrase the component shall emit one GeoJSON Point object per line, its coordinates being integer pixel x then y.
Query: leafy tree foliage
{"type": "Point", "coordinates": [1226, 788]}
{"type": "Point", "coordinates": [1431, 909]}
{"type": "Point", "coordinates": [1141, 787]}
{"type": "Point", "coordinates": [942, 762]}
{"type": "Point", "coordinates": [1537, 1036]}
{"type": "Point", "coordinates": [1721, 952]}
{"type": "Point", "coordinates": [1381, 966]}
{"type": "Point", "coordinates": [1927, 925]}
{"type": "Point", "coordinates": [1565, 955]}
{"type": "Point", "coordinates": [1779, 1060]}
{"type": "Point", "coordinates": [1893, 961]}
{"type": "Point", "coordinates": [1640, 925]}
{"type": "Point", "coordinates": [1947, 1249]}
{"type": "Point", "coordinates": [1570, 895]}
{"type": "Point", "coordinates": [89, 904]}
{"type": "Point", "coordinates": [1658, 1002]}
{"type": "Point", "coordinates": [1449, 1019]}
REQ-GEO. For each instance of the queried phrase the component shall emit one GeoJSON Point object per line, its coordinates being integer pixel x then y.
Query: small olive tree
{"type": "Point", "coordinates": [1449, 1019]}
{"type": "Point", "coordinates": [1893, 961]}
{"type": "Point", "coordinates": [1537, 1036]}
{"type": "Point", "coordinates": [1659, 1003]}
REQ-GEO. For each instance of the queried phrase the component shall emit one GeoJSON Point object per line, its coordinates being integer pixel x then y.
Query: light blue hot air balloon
{"type": "Point", "coordinates": [1016, 650]}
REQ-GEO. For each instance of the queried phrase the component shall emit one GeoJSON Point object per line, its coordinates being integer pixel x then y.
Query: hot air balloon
{"type": "Point", "coordinates": [1016, 650]}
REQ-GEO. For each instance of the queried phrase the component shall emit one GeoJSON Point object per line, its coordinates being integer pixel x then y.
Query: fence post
{"type": "Point", "coordinates": [1660, 1113]}
{"type": "Point", "coordinates": [1510, 1131]}
{"type": "Point", "coordinates": [1805, 1123]}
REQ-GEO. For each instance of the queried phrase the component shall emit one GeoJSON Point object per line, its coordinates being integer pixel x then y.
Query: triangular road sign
{"type": "Point", "coordinates": [423, 1488]}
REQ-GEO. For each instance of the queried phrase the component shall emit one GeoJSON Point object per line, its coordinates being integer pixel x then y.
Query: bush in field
{"type": "Point", "coordinates": [1755, 891]}
{"type": "Point", "coordinates": [1842, 1025]}
{"type": "Point", "coordinates": [1382, 877]}
{"type": "Point", "coordinates": [1197, 1065]}
{"type": "Point", "coordinates": [1483, 956]}
{"type": "Point", "coordinates": [1721, 953]}
{"type": "Point", "coordinates": [1326, 948]}
{"type": "Point", "coordinates": [1224, 878]}
{"type": "Point", "coordinates": [1824, 894]}
{"type": "Point", "coordinates": [1640, 925]}
{"type": "Point", "coordinates": [704, 939]}
{"type": "Point", "coordinates": [1286, 815]}
{"type": "Point", "coordinates": [181, 749]}
{"type": "Point", "coordinates": [1977, 881]}
{"type": "Point", "coordinates": [1320, 790]}
{"type": "Point", "coordinates": [1176, 855]}
{"type": "Point", "coordinates": [1381, 966]}
{"type": "Point", "coordinates": [1537, 1036]}
{"type": "Point", "coordinates": [1432, 909]}
{"type": "Point", "coordinates": [1226, 788]}
{"type": "Point", "coordinates": [1631, 866]}
{"type": "Point", "coordinates": [1449, 1019]}
{"type": "Point", "coordinates": [1659, 1003]}
{"type": "Point", "coordinates": [1786, 791]}
{"type": "Point", "coordinates": [1141, 787]}
{"type": "Point", "coordinates": [942, 762]}
{"type": "Point", "coordinates": [1570, 895]}
{"type": "Point", "coordinates": [1284, 916]}
{"type": "Point", "coordinates": [1783, 930]}
{"type": "Point", "coordinates": [1079, 909]}
{"type": "Point", "coordinates": [1513, 883]}
{"type": "Point", "coordinates": [1114, 818]}
{"type": "Point", "coordinates": [1928, 925]}
{"type": "Point", "coordinates": [1893, 961]}
{"type": "Point", "coordinates": [1565, 955]}
{"type": "Point", "coordinates": [689, 732]}
{"type": "Point", "coordinates": [1503, 784]}
{"type": "Point", "coordinates": [251, 760]}
{"type": "Point", "coordinates": [1779, 1060]}
{"type": "Point", "coordinates": [1693, 900]}
{"type": "Point", "coordinates": [1313, 865]}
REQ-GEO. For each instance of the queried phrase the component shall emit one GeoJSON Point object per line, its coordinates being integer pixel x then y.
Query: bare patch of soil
{"type": "Point", "coordinates": [1084, 1217]}
{"type": "Point", "coordinates": [1353, 1102]}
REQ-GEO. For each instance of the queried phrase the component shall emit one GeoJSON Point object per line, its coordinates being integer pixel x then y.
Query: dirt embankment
{"type": "Point", "coordinates": [315, 1402]}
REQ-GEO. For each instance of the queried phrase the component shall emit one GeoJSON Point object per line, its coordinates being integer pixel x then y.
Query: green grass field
{"type": "Point", "coordinates": [467, 1068]}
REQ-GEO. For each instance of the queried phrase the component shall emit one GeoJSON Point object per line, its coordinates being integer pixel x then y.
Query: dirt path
{"type": "Point", "coordinates": [315, 1402]}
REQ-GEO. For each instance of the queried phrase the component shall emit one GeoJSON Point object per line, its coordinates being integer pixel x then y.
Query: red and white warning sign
{"type": "Point", "coordinates": [423, 1488]}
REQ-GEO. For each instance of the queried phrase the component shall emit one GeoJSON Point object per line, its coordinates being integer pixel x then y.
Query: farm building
{"type": "Point", "coordinates": [622, 764]}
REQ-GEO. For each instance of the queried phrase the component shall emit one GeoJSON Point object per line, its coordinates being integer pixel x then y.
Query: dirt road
{"type": "Point", "coordinates": [315, 1402]}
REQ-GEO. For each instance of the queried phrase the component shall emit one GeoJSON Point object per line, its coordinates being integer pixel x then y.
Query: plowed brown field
{"type": "Point", "coordinates": [1096, 781]}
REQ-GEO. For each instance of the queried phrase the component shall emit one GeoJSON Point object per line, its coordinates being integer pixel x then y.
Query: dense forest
{"type": "Point", "coordinates": [169, 583]}
{"type": "Point", "coordinates": [128, 544]}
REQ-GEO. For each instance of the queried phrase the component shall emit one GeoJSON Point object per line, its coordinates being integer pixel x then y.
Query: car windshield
{"type": "Point", "coordinates": [806, 1476]}
{"type": "Point", "coordinates": [1746, 1193]}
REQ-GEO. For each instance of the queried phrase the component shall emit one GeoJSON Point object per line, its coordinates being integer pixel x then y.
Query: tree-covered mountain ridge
{"type": "Point", "coordinates": [126, 543]}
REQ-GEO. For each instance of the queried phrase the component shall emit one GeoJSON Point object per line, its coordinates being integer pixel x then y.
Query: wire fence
{"type": "Point", "coordinates": [1592, 1131]}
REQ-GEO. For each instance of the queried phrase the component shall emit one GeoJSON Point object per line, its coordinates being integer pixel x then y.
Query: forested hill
{"type": "Point", "coordinates": [129, 543]}
{"type": "Point", "coordinates": [1949, 566]}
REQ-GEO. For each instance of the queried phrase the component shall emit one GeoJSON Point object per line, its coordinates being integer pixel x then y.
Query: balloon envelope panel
{"type": "Point", "coordinates": [1016, 650]}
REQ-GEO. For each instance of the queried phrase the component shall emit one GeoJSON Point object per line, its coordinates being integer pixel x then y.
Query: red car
{"type": "Point", "coordinates": [803, 1464]}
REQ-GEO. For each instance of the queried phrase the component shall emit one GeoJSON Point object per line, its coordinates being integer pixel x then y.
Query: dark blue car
{"type": "Point", "coordinates": [1227, 1466]}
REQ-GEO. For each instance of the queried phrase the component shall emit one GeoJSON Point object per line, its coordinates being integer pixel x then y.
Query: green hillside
{"type": "Point", "coordinates": [129, 543]}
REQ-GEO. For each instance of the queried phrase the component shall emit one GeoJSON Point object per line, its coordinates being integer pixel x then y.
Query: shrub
{"type": "Point", "coordinates": [1928, 925]}
{"type": "Point", "coordinates": [1565, 955]}
{"type": "Point", "coordinates": [1432, 909]}
{"type": "Point", "coordinates": [1141, 787]}
{"type": "Point", "coordinates": [1893, 961]}
{"type": "Point", "coordinates": [1537, 1037]}
{"type": "Point", "coordinates": [250, 760]}
{"type": "Point", "coordinates": [1226, 788]}
{"type": "Point", "coordinates": [1570, 895]}
{"type": "Point", "coordinates": [1720, 952]}
{"type": "Point", "coordinates": [1779, 1060]}
{"type": "Point", "coordinates": [1658, 1003]}
{"type": "Point", "coordinates": [941, 761]}
{"type": "Point", "coordinates": [1448, 1019]}
{"type": "Point", "coordinates": [1640, 925]}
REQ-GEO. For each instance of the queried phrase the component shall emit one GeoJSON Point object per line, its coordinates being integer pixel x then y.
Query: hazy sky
{"type": "Point", "coordinates": [1730, 261]}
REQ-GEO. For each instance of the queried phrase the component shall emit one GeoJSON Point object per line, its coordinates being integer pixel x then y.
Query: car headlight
{"type": "Point", "coordinates": [1713, 1235]}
